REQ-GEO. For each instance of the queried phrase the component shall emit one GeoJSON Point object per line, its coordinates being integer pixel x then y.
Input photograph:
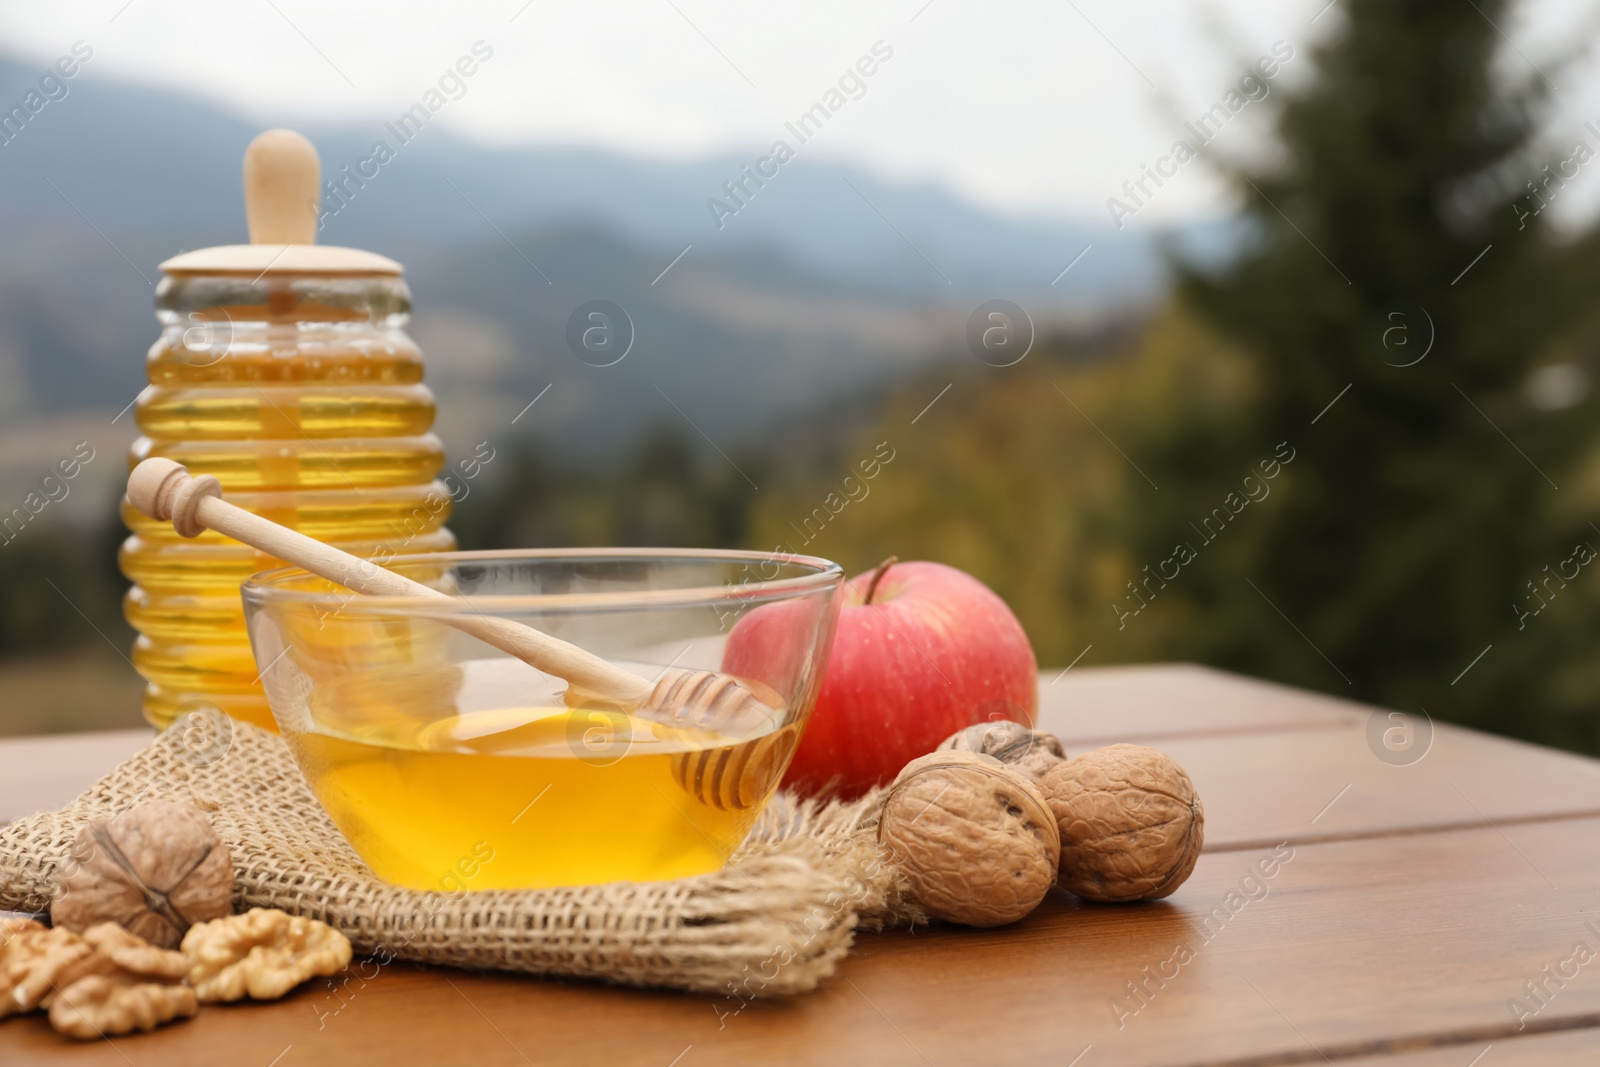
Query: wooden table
{"type": "Point", "coordinates": [1420, 883]}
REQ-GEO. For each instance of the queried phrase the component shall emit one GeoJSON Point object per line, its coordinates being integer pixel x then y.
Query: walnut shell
{"type": "Point", "coordinates": [1025, 750]}
{"type": "Point", "coordinates": [973, 838]}
{"type": "Point", "coordinates": [1131, 823]}
{"type": "Point", "coordinates": [154, 870]}
{"type": "Point", "coordinates": [261, 954]}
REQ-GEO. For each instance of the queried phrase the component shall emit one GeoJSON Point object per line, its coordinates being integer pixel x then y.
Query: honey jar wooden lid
{"type": "Point", "coordinates": [281, 194]}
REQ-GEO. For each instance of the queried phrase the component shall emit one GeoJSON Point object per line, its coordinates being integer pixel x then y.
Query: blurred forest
{"type": "Point", "coordinates": [1332, 461]}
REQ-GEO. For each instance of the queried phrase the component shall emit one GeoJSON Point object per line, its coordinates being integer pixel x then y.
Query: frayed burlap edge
{"type": "Point", "coordinates": [776, 921]}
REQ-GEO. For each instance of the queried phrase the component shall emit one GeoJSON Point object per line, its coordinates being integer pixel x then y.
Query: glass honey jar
{"type": "Point", "coordinates": [283, 368]}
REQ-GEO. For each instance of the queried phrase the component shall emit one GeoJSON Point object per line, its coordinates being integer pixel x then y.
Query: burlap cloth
{"type": "Point", "coordinates": [776, 920]}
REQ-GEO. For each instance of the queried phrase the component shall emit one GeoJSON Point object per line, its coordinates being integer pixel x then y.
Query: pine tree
{"type": "Point", "coordinates": [1421, 506]}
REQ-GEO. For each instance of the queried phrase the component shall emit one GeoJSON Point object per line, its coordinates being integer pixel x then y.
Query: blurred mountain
{"type": "Point", "coordinates": [827, 281]}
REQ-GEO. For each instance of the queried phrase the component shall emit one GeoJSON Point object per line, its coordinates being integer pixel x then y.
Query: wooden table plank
{"type": "Point", "coordinates": [1316, 785]}
{"type": "Point", "coordinates": [1349, 948]}
{"type": "Point", "coordinates": [1465, 779]}
{"type": "Point", "coordinates": [1573, 1048]}
{"type": "Point", "coordinates": [1085, 706]}
{"type": "Point", "coordinates": [1091, 706]}
{"type": "Point", "coordinates": [46, 773]}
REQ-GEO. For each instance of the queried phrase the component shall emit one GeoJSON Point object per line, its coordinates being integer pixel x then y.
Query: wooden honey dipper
{"type": "Point", "coordinates": [164, 490]}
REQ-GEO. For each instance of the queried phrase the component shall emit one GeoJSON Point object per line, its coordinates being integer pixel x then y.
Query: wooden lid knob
{"type": "Point", "coordinates": [281, 179]}
{"type": "Point", "coordinates": [281, 190]}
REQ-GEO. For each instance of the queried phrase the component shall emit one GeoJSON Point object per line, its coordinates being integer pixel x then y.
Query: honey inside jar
{"type": "Point", "coordinates": [527, 796]}
{"type": "Point", "coordinates": [303, 396]}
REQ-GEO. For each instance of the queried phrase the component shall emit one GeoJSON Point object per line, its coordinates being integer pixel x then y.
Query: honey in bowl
{"type": "Point", "coordinates": [451, 764]}
{"type": "Point", "coordinates": [527, 796]}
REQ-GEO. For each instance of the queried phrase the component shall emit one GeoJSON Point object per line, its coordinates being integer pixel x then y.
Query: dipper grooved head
{"type": "Point", "coordinates": [163, 489]}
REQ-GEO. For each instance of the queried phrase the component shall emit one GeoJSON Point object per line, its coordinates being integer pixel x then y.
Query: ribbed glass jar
{"type": "Point", "coordinates": [303, 395]}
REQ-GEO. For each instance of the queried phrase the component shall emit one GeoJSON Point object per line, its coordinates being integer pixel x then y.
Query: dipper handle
{"type": "Point", "coordinates": [281, 179]}
{"type": "Point", "coordinates": [164, 490]}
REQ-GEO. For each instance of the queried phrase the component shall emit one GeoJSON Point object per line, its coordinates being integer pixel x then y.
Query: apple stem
{"type": "Point", "coordinates": [877, 576]}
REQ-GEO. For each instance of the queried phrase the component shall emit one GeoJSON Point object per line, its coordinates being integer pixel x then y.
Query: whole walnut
{"type": "Point", "coordinates": [155, 870]}
{"type": "Point", "coordinates": [1131, 823]}
{"type": "Point", "coordinates": [973, 838]}
{"type": "Point", "coordinates": [1022, 748]}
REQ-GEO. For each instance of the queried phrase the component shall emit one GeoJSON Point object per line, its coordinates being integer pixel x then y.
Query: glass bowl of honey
{"type": "Point", "coordinates": [450, 765]}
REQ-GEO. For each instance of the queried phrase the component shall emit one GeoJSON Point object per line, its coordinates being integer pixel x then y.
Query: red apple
{"type": "Point", "coordinates": [921, 650]}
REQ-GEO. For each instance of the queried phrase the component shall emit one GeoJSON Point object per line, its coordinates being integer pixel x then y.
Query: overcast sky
{"type": "Point", "coordinates": [1023, 106]}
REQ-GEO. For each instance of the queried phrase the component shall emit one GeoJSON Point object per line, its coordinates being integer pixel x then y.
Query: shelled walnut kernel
{"type": "Point", "coordinates": [261, 954]}
{"type": "Point", "coordinates": [103, 983]}
{"type": "Point", "coordinates": [103, 1006]}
